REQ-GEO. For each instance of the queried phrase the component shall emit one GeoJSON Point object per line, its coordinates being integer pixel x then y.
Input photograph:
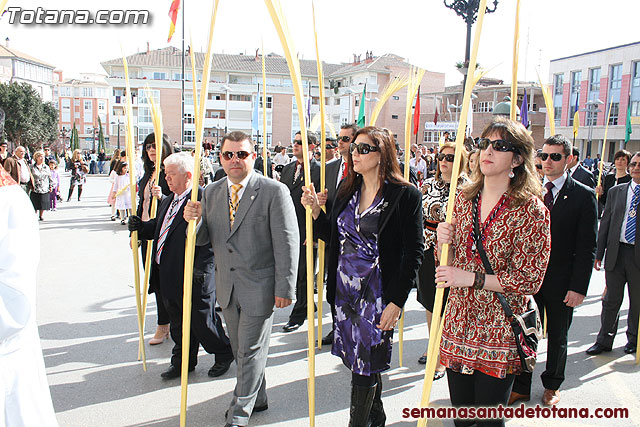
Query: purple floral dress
{"type": "Point", "coordinates": [363, 347]}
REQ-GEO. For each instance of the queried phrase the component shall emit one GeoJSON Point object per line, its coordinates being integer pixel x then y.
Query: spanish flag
{"type": "Point", "coordinates": [173, 14]}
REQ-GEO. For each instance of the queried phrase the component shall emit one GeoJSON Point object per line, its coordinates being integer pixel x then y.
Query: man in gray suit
{"type": "Point", "coordinates": [250, 222]}
{"type": "Point", "coordinates": [617, 235]}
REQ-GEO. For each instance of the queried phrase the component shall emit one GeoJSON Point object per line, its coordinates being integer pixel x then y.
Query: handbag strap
{"type": "Point", "coordinates": [485, 259]}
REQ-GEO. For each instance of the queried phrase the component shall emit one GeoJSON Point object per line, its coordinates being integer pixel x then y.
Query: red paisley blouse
{"type": "Point", "coordinates": [476, 333]}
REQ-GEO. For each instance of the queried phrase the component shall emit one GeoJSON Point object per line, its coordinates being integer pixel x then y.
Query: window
{"type": "Point", "coordinates": [594, 80]}
{"type": "Point", "coordinates": [616, 77]}
{"type": "Point", "coordinates": [315, 100]}
{"type": "Point", "coordinates": [635, 108]}
{"type": "Point", "coordinates": [144, 115]}
{"type": "Point", "coordinates": [558, 82]}
{"type": "Point", "coordinates": [245, 98]}
{"type": "Point", "coordinates": [88, 111]}
{"type": "Point", "coordinates": [143, 132]}
{"type": "Point", "coordinates": [592, 118]}
{"type": "Point", "coordinates": [65, 105]}
{"type": "Point", "coordinates": [154, 94]}
{"type": "Point", "coordinates": [190, 136]}
{"type": "Point", "coordinates": [635, 76]}
{"type": "Point", "coordinates": [102, 106]}
{"type": "Point", "coordinates": [576, 76]}
{"type": "Point", "coordinates": [483, 107]}
{"type": "Point", "coordinates": [76, 102]}
{"type": "Point", "coordinates": [87, 92]}
{"type": "Point", "coordinates": [159, 76]}
{"type": "Point", "coordinates": [65, 91]}
{"type": "Point", "coordinates": [188, 118]}
{"type": "Point", "coordinates": [188, 98]}
{"type": "Point", "coordinates": [396, 98]}
{"type": "Point", "coordinates": [215, 114]}
{"type": "Point", "coordinates": [337, 101]}
{"type": "Point", "coordinates": [357, 102]}
{"type": "Point", "coordinates": [394, 116]}
{"type": "Point", "coordinates": [88, 130]}
{"type": "Point", "coordinates": [240, 79]}
{"type": "Point", "coordinates": [613, 118]}
{"type": "Point", "coordinates": [557, 113]}
{"type": "Point", "coordinates": [219, 96]}
{"type": "Point", "coordinates": [269, 101]}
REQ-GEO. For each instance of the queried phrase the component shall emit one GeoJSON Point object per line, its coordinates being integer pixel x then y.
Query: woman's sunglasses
{"type": "Point", "coordinates": [498, 145]}
{"type": "Point", "coordinates": [556, 157]}
{"type": "Point", "coordinates": [228, 155]}
{"type": "Point", "coordinates": [363, 148]}
{"type": "Point", "coordinates": [448, 157]}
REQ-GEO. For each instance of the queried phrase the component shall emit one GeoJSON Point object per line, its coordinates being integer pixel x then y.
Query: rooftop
{"type": "Point", "coordinates": [596, 51]}
{"type": "Point", "coordinates": [6, 52]}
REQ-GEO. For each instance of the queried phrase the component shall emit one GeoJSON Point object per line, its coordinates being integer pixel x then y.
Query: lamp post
{"type": "Point", "coordinates": [349, 92]}
{"type": "Point", "coordinates": [592, 107]}
{"type": "Point", "coordinates": [226, 89]}
{"type": "Point", "coordinates": [119, 123]}
{"type": "Point", "coordinates": [468, 10]}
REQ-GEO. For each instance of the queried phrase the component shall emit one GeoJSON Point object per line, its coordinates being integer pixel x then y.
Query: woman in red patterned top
{"type": "Point", "coordinates": [478, 347]}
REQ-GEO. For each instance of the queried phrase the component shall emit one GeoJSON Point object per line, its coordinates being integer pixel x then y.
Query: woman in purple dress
{"type": "Point", "coordinates": [375, 249]}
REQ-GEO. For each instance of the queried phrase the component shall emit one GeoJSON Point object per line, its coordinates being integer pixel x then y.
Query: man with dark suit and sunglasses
{"type": "Point", "coordinates": [574, 213]}
{"type": "Point", "coordinates": [621, 252]}
{"type": "Point", "coordinates": [293, 177]}
{"type": "Point", "coordinates": [249, 221]}
{"type": "Point", "coordinates": [579, 172]}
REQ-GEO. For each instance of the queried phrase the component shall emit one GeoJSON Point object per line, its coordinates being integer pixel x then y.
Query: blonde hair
{"type": "Point", "coordinates": [525, 183]}
{"type": "Point", "coordinates": [464, 162]}
{"type": "Point", "coordinates": [38, 153]}
{"type": "Point", "coordinates": [77, 155]}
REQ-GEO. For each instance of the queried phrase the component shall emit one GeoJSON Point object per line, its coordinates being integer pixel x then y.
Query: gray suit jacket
{"type": "Point", "coordinates": [258, 258]}
{"type": "Point", "coordinates": [611, 226]}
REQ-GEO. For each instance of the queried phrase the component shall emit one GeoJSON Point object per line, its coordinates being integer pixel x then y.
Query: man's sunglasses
{"type": "Point", "coordinates": [331, 147]}
{"type": "Point", "coordinates": [448, 157]}
{"type": "Point", "coordinates": [363, 148]}
{"type": "Point", "coordinates": [344, 138]}
{"type": "Point", "coordinates": [498, 145]}
{"type": "Point", "coordinates": [228, 155]}
{"type": "Point", "coordinates": [556, 157]}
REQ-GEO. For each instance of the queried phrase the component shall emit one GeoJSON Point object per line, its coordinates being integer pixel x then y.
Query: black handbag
{"type": "Point", "coordinates": [527, 327]}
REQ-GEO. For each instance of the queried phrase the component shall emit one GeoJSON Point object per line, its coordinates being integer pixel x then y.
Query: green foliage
{"type": "Point", "coordinates": [29, 121]}
{"type": "Point", "coordinates": [101, 144]}
{"type": "Point", "coordinates": [74, 142]}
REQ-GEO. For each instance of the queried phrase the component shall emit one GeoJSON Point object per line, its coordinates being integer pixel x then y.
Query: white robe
{"type": "Point", "coordinates": [24, 392]}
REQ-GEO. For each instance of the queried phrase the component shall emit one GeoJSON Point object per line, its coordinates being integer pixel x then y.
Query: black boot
{"type": "Point", "coordinates": [79, 191]}
{"type": "Point", "coordinates": [361, 400]}
{"type": "Point", "coordinates": [70, 193]}
{"type": "Point", "coordinates": [377, 417]}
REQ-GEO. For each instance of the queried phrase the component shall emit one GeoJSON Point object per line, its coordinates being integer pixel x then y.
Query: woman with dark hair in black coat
{"type": "Point", "coordinates": [376, 246]}
{"type": "Point", "coordinates": [144, 211]}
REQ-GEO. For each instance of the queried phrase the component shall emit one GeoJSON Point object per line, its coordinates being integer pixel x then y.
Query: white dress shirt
{"type": "Point", "coordinates": [630, 190]}
{"type": "Point", "coordinates": [244, 183]}
{"type": "Point", "coordinates": [557, 185]}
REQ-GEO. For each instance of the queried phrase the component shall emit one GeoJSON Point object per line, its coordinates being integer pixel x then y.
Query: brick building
{"type": "Point", "coordinates": [595, 79]}
{"type": "Point", "coordinates": [233, 91]}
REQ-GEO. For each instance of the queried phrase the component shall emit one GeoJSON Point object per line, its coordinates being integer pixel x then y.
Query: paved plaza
{"type": "Point", "coordinates": [87, 321]}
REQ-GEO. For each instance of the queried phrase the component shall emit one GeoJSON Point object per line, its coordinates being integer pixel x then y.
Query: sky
{"type": "Point", "coordinates": [425, 32]}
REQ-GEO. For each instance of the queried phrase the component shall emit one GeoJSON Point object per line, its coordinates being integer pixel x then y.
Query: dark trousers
{"type": "Point", "coordinates": [478, 389]}
{"type": "Point", "coordinates": [625, 272]}
{"type": "Point", "coordinates": [559, 317]}
{"type": "Point", "coordinates": [299, 311]}
{"type": "Point", "coordinates": [206, 328]}
{"type": "Point", "coordinates": [163, 314]}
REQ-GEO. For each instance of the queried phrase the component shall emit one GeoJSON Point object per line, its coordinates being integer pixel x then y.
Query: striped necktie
{"type": "Point", "coordinates": [233, 203]}
{"type": "Point", "coordinates": [166, 224]}
{"type": "Point", "coordinates": [630, 229]}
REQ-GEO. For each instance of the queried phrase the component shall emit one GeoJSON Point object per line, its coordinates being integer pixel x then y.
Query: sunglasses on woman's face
{"type": "Point", "coordinates": [447, 157]}
{"type": "Point", "coordinates": [498, 145]}
{"type": "Point", "coordinates": [556, 157]}
{"type": "Point", "coordinates": [149, 145]}
{"type": "Point", "coordinates": [228, 155]}
{"type": "Point", "coordinates": [363, 148]}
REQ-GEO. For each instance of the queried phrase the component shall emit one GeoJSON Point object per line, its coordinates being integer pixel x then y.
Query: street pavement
{"type": "Point", "coordinates": [87, 321]}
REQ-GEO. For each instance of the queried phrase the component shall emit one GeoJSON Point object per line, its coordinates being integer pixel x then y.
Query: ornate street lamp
{"type": "Point", "coordinates": [468, 10]}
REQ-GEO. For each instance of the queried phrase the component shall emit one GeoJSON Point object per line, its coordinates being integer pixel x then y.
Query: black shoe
{"type": "Point", "coordinates": [422, 360]}
{"type": "Point", "coordinates": [361, 402]}
{"type": "Point", "coordinates": [255, 409]}
{"type": "Point", "coordinates": [173, 372]}
{"type": "Point", "coordinates": [218, 308]}
{"type": "Point", "coordinates": [219, 368]}
{"type": "Point", "coordinates": [291, 326]}
{"type": "Point", "coordinates": [629, 348]}
{"type": "Point", "coordinates": [328, 339]}
{"type": "Point", "coordinates": [597, 349]}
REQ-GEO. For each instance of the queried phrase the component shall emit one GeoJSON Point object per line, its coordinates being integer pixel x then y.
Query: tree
{"type": "Point", "coordinates": [101, 145]}
{"type": "Point", "coordinates": [74, 143]}
{"type": "Point", "coordinates": [29, 121]}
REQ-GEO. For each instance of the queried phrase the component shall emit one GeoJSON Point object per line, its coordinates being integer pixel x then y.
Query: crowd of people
{"type": "Point", "coordinates": [524, 233]}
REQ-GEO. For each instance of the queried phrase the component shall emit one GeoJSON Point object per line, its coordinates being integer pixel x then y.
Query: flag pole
{"type": "Point", "coordinates": [436, 322]}
{"type": "Point", "coordinates": [280, 23]}
{"type": "Point", "coordinates": [264, 114]}
{"type": "Point", "coordinates": [514, 71]}
{"type": "Point", "coordinates": [323, 161]}
{"type": "Point", "coordinates": [191, 230]}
